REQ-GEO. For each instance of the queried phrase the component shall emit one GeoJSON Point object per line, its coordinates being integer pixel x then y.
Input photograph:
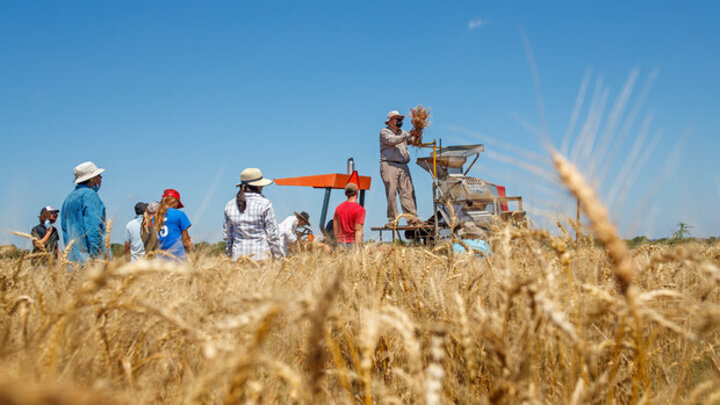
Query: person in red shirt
{"type": "Point", "coordinates": [349, 219]}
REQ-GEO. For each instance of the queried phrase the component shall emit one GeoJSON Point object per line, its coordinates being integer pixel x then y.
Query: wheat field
{"type": "Point", "coordinates": [570, 316]}
{"type": "Point", "coordinates": [542, 320]}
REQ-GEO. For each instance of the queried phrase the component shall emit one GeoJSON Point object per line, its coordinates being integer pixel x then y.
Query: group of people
{"type": "Point", "coordinates": [249, 227]}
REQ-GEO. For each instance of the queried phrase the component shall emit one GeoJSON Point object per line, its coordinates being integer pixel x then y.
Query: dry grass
{"type": "Point", "coordinates": [389, 324]}
{"type": "Point", "coordinates": [545, 319]}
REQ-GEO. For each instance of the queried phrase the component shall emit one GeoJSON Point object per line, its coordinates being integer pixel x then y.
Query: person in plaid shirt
{"type": "Point", "coordinates": [250, 228]}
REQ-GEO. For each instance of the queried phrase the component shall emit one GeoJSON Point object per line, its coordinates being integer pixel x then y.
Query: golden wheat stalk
{"type": "Point", "coordinates": [623, 266]}
{"type": "Point", "coordinates": [435, 370]}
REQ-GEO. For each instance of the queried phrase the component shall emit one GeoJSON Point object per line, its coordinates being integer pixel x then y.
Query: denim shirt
{"type": "Point", "coordinates": [83, 220]}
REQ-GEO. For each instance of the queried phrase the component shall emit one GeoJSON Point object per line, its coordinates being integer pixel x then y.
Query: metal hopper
{"type": "Point", "coordinates": [459, 198]}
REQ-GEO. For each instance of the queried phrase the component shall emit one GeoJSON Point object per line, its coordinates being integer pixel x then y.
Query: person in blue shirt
{"type": "Point", "coordinates": [473, 238]}
{"type": "Point", "coordinates": [83, 215]}
{"type": "Point", "coordinates": [172, 225]}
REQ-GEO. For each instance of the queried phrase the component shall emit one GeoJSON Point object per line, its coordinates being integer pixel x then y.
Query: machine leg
{"type": "Point", "coordinates": [323, 215]}
{"type": "Point", "coordinates": [435, 214]}
{"type": "Point", "coordinates": [362, 197]}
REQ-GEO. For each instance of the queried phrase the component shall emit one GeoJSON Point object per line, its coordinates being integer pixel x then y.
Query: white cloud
{"type": "Point", "coordinates": [476, 23]}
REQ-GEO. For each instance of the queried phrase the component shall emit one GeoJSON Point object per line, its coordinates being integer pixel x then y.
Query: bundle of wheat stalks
{"type": "Point", "coordinates": [545, 319]}
{"type": "Point", "coordinates": [420, 120]}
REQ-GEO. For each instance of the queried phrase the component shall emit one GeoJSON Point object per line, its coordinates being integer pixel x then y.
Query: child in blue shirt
{"type": "Point", "coordinates": [172, 226]}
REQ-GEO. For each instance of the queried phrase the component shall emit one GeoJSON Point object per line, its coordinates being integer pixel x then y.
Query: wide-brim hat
{"type": "Point", "coordinates": [86, 171]}
{"type": "Point", "coordinates": [303, 216]}
{"type": "Point", "coordinates": [170, 192]}
{"type": "Point", "coordinates": [253, 177]}
{"type": "Point", "coordinates": [394, 113]}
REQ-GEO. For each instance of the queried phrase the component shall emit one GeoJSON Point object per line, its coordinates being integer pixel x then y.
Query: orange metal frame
{"type": "Point", "coordinates": [327, 182]}
{"type": "Point", "coordinates": [335, 181]}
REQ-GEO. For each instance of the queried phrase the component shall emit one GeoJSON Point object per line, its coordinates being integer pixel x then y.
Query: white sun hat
{"type": "Point", "coordinates": [86, 171]}
{"type": "Point", "coordinates": [253, 177]}
{"type": "Point", "coordinates": [394, 113]}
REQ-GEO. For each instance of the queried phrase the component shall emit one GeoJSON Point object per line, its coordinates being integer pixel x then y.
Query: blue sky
{"type": "Point", "coordinates": [187, 94]}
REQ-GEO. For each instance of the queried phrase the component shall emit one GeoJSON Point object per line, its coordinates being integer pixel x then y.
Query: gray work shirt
{"type": "Point", "coordinates": [394, 147]}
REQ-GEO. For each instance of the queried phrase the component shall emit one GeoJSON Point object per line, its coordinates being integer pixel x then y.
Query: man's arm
{"type": "Point", "coordinates": [359, 221]}
{"type": "Point", "coordinates": [336, 229]}
{"type": "Point", "coordinates": [293, 243]}
{"type": "Point", "coordinates": [94, 221]}
{"type": "Point", "coordinates": [127, 248]}
{"type": "Point", "coordinates": [184, 225]}
{"type": "Point", "coordinates": [388, 137]}
{"type": "Point", "coordinates": [358, 235]}
{"type": "Point", "coordinates": [40, 242]}
{"type": "Point", "coordinates": [187, 241]}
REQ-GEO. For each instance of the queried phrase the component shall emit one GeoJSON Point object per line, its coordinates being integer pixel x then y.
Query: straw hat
{"type": "Point", "coordinates": [86, 171]}
{"type": "Point", "coordinates": [253, 177]}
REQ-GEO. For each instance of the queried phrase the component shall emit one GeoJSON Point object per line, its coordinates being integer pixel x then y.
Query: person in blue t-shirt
{"type": "Point", "coordinates": [473, 238]}
{"type": "Point", "coordinates": [172, 225]}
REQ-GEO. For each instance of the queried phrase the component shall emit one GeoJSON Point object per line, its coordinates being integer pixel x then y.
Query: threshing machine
{"type": "Point", "coordinates": [459, 198]}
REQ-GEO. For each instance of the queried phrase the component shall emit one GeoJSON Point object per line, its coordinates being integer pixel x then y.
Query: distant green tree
{"type": "Point", "coordinates": [117, 249]}
{"type": "Point", "coordinates": [638, 241]}
{"type": "Point", "coordinates": [682, 231]}
{"type": "Point", "coordinates": [210, 249]}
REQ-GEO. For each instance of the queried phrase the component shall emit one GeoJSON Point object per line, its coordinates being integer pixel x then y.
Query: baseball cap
{"type": "Point", "coordinates": [48, 209]}
{"type": "Point", "coordinates": [173, 193]}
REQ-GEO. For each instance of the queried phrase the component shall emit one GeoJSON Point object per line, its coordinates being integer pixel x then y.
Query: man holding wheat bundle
{"type": "Point", "coordinates": [394, 170]}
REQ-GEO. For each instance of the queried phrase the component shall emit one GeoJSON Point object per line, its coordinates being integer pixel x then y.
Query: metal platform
{"type": "Point", "coordinates": [395, 231]}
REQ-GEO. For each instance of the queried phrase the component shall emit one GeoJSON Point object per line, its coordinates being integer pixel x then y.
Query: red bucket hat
{"type": "Point", "coordinates": [170, 192]}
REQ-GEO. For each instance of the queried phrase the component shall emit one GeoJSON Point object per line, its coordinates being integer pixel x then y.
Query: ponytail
{"type": "Point", "coordinates": [161, 211]}
{"type": "Point", "coordinates": [241, 200]}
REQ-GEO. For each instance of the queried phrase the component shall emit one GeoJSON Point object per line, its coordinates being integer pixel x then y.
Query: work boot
{"type": "Point", "coordinates": [415, 222]}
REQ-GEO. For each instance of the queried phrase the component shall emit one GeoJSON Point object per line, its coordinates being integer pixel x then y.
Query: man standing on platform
{"type": "Point", "coordinates": [394, 170]}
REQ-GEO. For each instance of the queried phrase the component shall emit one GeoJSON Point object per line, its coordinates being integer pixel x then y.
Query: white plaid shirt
{"type": "Point", "coordinates": [251, 233]}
